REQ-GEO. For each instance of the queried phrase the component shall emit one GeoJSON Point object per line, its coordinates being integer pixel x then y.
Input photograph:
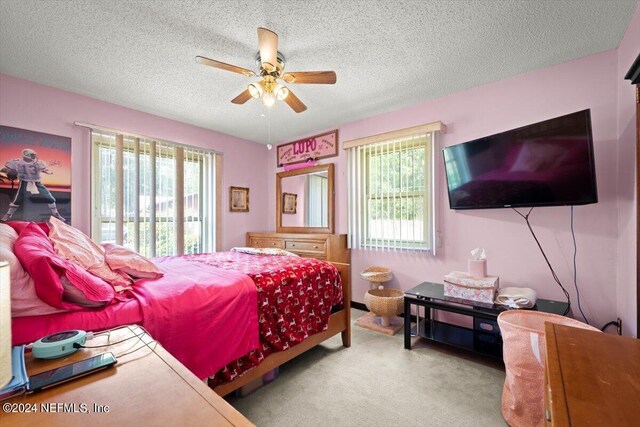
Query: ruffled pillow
{"type": "Point", "coordinates": [74, 245]}
{"type": "Point", "coordinates": [35, 252]}
{"type": "Point", "coordinates": [127, 261]}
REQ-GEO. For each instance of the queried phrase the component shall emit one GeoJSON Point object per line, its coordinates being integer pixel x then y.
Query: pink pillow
{"type": "Point", "coordinates": [21, 225]}
{"type": "Point", "coordinates": [35, 251]}
{"type": "Point", "coordinates": [74, 245]}
{"type": "Point", "coordinates": [24, 301]}
{"type": "Point", "coordinates": [130, 262]}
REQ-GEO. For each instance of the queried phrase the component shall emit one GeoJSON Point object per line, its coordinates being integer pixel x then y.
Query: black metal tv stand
{"type": "Point", "coordinates": [484, 338]}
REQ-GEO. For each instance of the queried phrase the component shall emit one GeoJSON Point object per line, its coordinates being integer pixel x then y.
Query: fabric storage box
{"type": "Point", "coordinates": [460, 285]}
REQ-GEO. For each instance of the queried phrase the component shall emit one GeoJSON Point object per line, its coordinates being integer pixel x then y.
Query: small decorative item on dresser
{"type": "Point", "coordinates": [458, 284]}
{"type": "Point", "coordinates": [238, 199]}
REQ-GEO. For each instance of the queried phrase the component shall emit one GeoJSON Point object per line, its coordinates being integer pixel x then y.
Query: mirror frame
{"type": "Point", "coordinates": [330, 193]}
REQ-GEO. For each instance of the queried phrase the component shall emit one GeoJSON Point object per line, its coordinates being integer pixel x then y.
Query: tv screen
{"type": "Point", "coordinates": [544, 164]}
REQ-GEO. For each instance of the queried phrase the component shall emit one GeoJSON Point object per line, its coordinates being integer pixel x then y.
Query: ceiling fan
{"type": "Point", "coordinates": [271, 69]}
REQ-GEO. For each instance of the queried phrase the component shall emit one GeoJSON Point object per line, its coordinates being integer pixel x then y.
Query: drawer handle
{"type": "Point", "coordinates": [293, 245]}
{"type": "Point", "coordinates": [274, 243]}
{"type": "Point", "coordinates": [315, 247]}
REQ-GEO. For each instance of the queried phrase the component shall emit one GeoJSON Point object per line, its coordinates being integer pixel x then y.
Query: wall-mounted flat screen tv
{"type": "Point", "coordinates": [544, 164]}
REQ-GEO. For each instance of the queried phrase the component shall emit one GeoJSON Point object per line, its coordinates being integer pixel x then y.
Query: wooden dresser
{"type": "Point", "coordinates": [592, 378]}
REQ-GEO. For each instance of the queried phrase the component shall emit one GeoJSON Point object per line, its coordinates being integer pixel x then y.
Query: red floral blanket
{"type": "Point", "coordinates": [295, 296]}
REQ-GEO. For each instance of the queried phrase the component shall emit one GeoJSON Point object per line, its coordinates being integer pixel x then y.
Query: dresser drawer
{"type": "Point", "coordinates": [266, 243]}
{"type": "Point", "coordinates": [316, 255]}
{"type": "Point", "coordinates": [305, 246]}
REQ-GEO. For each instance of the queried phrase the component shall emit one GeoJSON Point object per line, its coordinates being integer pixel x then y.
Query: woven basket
{"type": "Point", "coordinates": [385, 303]}
{"type": "Point", "coordinates": [377, 274]}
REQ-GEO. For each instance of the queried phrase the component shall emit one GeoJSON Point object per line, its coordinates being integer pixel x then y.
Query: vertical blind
{"type": "Point", "coordinates": [156, 197]}
{"type": "Point", "coordinates": [390, 194]}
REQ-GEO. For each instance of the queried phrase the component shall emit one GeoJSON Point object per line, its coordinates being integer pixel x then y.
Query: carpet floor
{"type": "Point", "coordinates": [376, 382]}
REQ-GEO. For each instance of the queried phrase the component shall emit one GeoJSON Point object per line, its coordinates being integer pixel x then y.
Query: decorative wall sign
{"type": "Point", "coordinates": [239, 199]}
{"type": "Point", "coordinates": [312, 148]}
{"type": "Point", "coordinates": [289, 203]}
{"type": "Point", "coordinates": [35, 175]}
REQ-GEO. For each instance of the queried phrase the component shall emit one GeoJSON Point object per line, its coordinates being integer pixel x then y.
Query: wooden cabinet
{"type": "Point", "coordinates": [591, 378]}
{"type": "Point", "coordinates": [263, 242]}
{"type": "Point", "coordinates": [330, 247]}
{"type": "Point", "coordinates": [146, 387]}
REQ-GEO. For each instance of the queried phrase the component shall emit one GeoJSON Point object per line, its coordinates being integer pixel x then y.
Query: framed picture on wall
{"type": "Point", "coordinates": [289, 203]}
{"type": "Point", "coordinates": [239, 199]}
{"type": "Point", "coordinates": [35, 175]}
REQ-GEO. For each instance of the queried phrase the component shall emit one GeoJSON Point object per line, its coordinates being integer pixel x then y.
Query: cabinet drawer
{"type": "Point", "coordinates": [306, 246]}
{"type": "Point", "coordinates": [266, 243]}
{"type": "Point", "coordinates": [316, 255]}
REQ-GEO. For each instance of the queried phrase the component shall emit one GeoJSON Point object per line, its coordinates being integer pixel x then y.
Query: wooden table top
{"type": "Point", "coordinates": [147, 387]}
{"type": "Point", "coordinates": [593, 377]}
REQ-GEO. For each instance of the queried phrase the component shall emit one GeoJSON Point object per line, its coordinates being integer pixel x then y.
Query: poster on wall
{"type": "Point", "coordinates": [35, 175]}
{"type": "Point", "coordinates": [313, 148]}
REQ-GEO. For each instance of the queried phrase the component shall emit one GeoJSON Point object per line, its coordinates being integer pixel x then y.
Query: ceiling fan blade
{"type": "Point", "coordinates": [295, 103]}
{"type": "Point", "coordinates": [242, 98]}
{"type": "Point", "coordinates": [310, 77]}
{"type": "Point", "coordinates": [268, 43]}
{"type": "Point", "coordinates": [224, 66]}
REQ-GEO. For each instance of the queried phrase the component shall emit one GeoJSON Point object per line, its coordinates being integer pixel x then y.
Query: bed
{"type": "Point", "coordinates": [229, 317]}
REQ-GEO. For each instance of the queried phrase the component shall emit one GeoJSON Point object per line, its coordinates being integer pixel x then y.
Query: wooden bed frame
{"type": "Point", "coordinates": [332, 248]}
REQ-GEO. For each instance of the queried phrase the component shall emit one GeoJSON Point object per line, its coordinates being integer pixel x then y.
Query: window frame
{"type": "Point", "coordinates": [418, 141]}
{"type": "Point", "coordinates": [209, 234]}
{"type": "Point", "coordinates": [358, 236]}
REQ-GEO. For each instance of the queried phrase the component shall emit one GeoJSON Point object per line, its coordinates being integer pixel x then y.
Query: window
{"type": "Point", "coordinates": [155, 197]}
{"type": "Point", "coordinates": [316, 191]}
{"type": "Point", "coordinates": [391, 192]}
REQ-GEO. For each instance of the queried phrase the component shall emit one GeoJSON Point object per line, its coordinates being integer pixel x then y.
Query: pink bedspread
{"type": "Point", "coordinates": [25, 330]}
{"type": "Point", "coordinates": [203, 315]}
{"type": "Point", "coordinates": [295, 296]}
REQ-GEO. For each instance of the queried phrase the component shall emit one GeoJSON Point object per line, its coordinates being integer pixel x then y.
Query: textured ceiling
{"type": "Point", "coordinates": [387, 54]}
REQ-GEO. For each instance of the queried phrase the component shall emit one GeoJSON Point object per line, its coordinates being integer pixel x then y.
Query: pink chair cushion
{"type": "Point", "coordinates": [130, 262]}
{"type": "Point", "coordinates": [35, 252]}
{"type": "Point", "coordinates": [24, 301]}
{"type": "Point", "coordinates": [72, 244]}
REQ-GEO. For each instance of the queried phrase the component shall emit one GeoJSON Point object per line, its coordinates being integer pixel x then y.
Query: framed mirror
{"type": "Point", "coordinates": [304, 200]}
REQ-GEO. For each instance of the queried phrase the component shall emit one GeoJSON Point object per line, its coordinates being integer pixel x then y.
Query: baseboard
{"type": "Point", "coordinates": [361, 306]}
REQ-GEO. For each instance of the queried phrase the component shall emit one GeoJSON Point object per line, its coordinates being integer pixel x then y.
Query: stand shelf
{"type": "Point", "coordinates": [477, 340]}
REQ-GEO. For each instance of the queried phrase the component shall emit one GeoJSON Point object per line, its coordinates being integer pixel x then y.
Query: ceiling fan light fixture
{"type": "Point", "coordinates": [268, 99]}
{"type": "Point", "coordinates": [289, 78]}
{"type": "Point", "coordinates": [271, 65]}
{"type": "Point", "coordinates": [268, 67]}
{"type": "Point", "coordinates": [255, 90]}
{"type": "Point", "coordinates": [282, 92]}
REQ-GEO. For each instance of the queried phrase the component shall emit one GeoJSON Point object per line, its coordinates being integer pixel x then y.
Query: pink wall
{"type": "Point", "coordinates": [589, 82]}
{"type": "Point", "coordinates": [627, 198]}
{"type": "Point", "coordinates": [41, 108]}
